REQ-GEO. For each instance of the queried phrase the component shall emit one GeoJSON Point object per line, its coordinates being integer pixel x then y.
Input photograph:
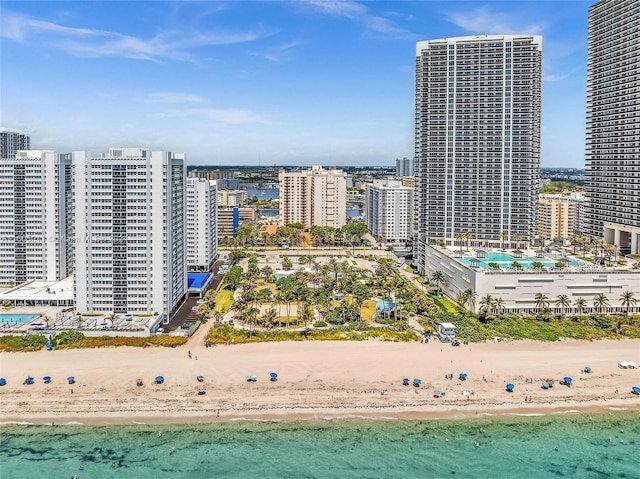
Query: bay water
{"type": "Point", "coordinates": [575, 445]}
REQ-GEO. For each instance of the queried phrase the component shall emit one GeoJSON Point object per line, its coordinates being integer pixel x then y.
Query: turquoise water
{"type": "Point", "coordinates": [505, 260]}
{"type": "Point", "coordinates": [511, 447]}
{"type": "Point", "coordinates": [17, 318]}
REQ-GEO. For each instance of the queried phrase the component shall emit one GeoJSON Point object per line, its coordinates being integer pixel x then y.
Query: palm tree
{"type": "Point", "coordinates": [460, 237]}
{"type": "Point", "coordinates": [541, 302]}
{"type": "Point", "coordinates": [438, 278]}
{"type": "Point", "coordinates": [580, 305]}
{"type": "Point", "coordinates": [471, 298]}
{"type": "Point", "coordinates": [305, 314]}
{"type": "Point", "coordinates": [498, 305]}
{"type": "Point", "coordinates": [486, 305]}
{"type": "Point", "coordinates": [627, 300]}
{"type": "Point", "coordinates": [269, 317]}
{"type": "Point", "coordinates": [517, 237]}
{"type": "Point", "coordinates": [562, 301]}
{"type": "Point", "coordinates": [503, 236]}
{"type": "Point", "coordinates": [600, 303]}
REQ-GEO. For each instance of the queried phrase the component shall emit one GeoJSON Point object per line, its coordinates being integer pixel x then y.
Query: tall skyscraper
{"type": "Point", "coordinates": [404, 167]}
{"type": "Point", "coordinates": [388, 210]}
{"type": "Point", "coordinates": [613, 124]}
{"type": "Point", "coordinates": [315, 197]}
{"type": "Point", "coordinates": [202, 233]}
{"type": "Point", "coordinates": [130, 225]}
{"type": "Point", "coordinates": [477, 145]}
{"type": "Point", "coordinates": [36, 187]}
{"type": "Point", "coordinates": [11, 142]}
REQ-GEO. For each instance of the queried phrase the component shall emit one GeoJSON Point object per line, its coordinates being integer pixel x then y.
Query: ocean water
{"type": "Point", "coordinates": [511, 447]}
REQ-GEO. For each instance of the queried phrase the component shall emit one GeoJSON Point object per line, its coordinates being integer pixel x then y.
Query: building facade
{"type": "Point", "coordinates": [231, 197]}
{"type": "Point", "coordinates": [230, 218]}
{"type": "Point", "coordinates": [477, 145]}
{"type": "Point", "coordinates": [388, 210]}
{"type": "Point", "coordinates": [404, 167]}
{"type": "Point", "coordinates": [11, 142]}
{"type": "Point", "coordinates": [202, 231]}
{"type": "Point", "coordinates": [560, 217]}
{"type": "Point", "coordinates": [35, 193]}
{"type": "Point", "coordinates": [130, 225]}
{"type": "Point", "coordinates": [613, 124]}
{"type": "Point", "coordinates": [315, 197]}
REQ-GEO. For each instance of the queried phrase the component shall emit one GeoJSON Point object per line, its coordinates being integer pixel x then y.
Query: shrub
{"type": "Point", "coordinates": [115, 341]}
{"type": "Point", "coordinates": [319, 324]}
{"type": "Point", "coordinates": [68, 337]}
{"type": "Point", "coordinates": [28, 342]}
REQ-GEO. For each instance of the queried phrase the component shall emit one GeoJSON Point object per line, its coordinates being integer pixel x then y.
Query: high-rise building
{"type": "Point", "coordinates": [11, 142]}
{"type": "Point", "coordinates": [613, 124]}
{"type": "Point", "coordinates": [477, 145]}
{"type": "Point", "coordinates": [404, 167]}
{"type": "Point", "coordinates": [36, 189]}
{"type": "Point", "coordinates": [130, 221]}
{"type": "Point", "coordinates": [202, 233]}
{"type": "Point", "coordinates": [560, 216]}
{"type": "Point", "coordinates": [388, 210]}
{"type": "Point", "coordinates": [315, 197]}
{"type": "Point", "coordinates": [231, 197]}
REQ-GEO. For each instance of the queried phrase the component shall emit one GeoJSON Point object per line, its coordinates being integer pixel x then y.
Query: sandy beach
{"type": "Point", "coordinates": [316, 380]}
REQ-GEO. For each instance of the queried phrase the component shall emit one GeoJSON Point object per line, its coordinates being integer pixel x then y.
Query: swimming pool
{"type": "Point", "coordinates": [17, 318]}
{"type": "Point", "coordinates": [197, 280]}
{"type": "Point", "coordinates": [505, 261]}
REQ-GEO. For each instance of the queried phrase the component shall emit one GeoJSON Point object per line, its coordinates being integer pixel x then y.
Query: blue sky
{"type": "Point", "coordinates": [262, 83]}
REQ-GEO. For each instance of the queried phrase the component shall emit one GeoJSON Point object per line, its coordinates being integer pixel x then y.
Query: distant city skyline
{"type": "Point", "coordinates": [262, 83]}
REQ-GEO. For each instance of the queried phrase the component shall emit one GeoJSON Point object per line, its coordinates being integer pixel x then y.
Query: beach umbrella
{"type": "Point", "coordinates": [48, 345]}
{"type": "Point", "coordinates": [3, 382]}
{"type": "Point", "coordinates": [104, 324]}
{"type": "Point", "coordinates": [71, 379]}
{"type": "Point", "coordinates": [545, 385]}
{"type": "Point", "coordinates": [417, 382]}
{"type": "Point", "coordinates": [406, 381]}
{"type": "Point", "coordinates": [47, 379]}
{"type": "Point", "coordinates": [509, 387]}
{"type": "Point", "coordinates": [634, 389]}
{"type": "Point", "coordinates": [567, 380]}
{"type": "Point", "coordinates": [200, 378]}
{"type": "Point", "coordinates": [587, 369]}
{"type": "Point", "coordinates": [159, 379]}
{"type": "Point", "coordinates": [29, 380]}
{"type": "Point", "coordinates": [436, 393]}
{"type": "Point", "coordinates": [462, 377]}
{"type": "Point", "coordinates": [274, 376]}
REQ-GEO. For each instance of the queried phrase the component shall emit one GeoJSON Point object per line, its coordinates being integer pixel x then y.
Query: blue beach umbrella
{"type": "Point", "coordinates": [509, 387]}
{"type": "Point", "coordinates": [46, 379]}
{"type": "Point", "coordinates": [406, 381]}
{"type": "Point", "coordinates": [587, 369]}
{"type": "Point", "coordinates": [436, 393]}
{"type": "Point", "coordinates": [71, 379]}
{"type": "Point", "coordinates": [159, 379]}
{"type": "Point", "coordinates": [48, 345]}
{"type": "Point", "coordinates": [417, 382]}
{"type": "Point", "coordinates": [274, 376]}
{"type": "Point", "coordinates": [567, 380]}
{"type": "Point", "coordinates": [3, 382]}
{"type": "Point", "coordinates": [462, 377]}
{"type": "Point", "coordinates": [29, 380]}
{"type": "Point", "coordinates": [634, 389]}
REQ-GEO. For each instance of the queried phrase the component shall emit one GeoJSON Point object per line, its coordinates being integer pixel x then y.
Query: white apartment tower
{"type": "Point", "coordinates": [315, 197]}
{"type": "Point", "coordinates": [202, 223]}
{"type": "Point", "coordinates": [477, 145]}
{"type": "Point", "coordinates": [34, 214]}
{"type": "Point", "coordinates": [388, 210]}
{"type": "Point", "coordinates": [613, 124]}
{"type": "Point", "coordinates": [11, 142]}
{"type": "Point", "coordinates": [130, 225]}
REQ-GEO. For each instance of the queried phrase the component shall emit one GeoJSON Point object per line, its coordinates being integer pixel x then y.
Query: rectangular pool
{"type": "Point", "coordinates": [505, 261]}
{"type": "Point", "coordinates": [17, 318]}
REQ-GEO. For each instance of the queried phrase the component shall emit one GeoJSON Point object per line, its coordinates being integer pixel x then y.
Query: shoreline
{"type": "Point", "coordinates": [328, 415]}
{"type": "Point", "coordinates": [316, 381]}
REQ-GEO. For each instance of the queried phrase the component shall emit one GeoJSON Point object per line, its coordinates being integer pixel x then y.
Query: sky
{"type": "Point", "coordinates": [262, 82]}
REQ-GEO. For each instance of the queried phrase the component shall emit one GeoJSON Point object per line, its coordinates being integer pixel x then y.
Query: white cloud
{"type": "Point", "coordinates": [92, 43]}
{"type": "Point", "coordinates": [174, 97]}
{"type": "Point", "coordinates": [358, 13]}
{"type": "Point", "coordinates": [482, 20]}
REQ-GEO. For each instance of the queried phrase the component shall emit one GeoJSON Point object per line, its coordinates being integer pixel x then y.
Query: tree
{"type": "Point", "coordinates": [486, 306]}
{"type": "Point", "coordinates": [562, 302]}
{"type": "Point", "coordinates": [210, 298]}
{"type": "Point", "coordinates": [503, 236]}
{"type": "Point", "coordinates": [600, 303]}
{"type": "Point", "coordinates": [438, 278]}
{"type": "Point", "coordinates": [202, 311]}
{"type": "Point", "coordinates": [287, 264]}
{"type": "Point", "coordinates": [580, 305]}
{"type": "Point", "coordinates": [627, 300]}
{"type": "Point", "coordinates": [516, 265]}
{"type": "Point", "coordinates": [305, 314]}
{"type": "Point", "coordinates": [269, 318]}
{"type": "Point", "coordinates": [498, 305]}
{"type": "Point", "coordinates": [233, 277]}
{"type": "Point", "coordinates": [542, 302]}
{"type": "Point", "coordinates": [517, 238]}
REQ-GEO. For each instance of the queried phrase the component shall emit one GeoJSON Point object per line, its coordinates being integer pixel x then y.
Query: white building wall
{"type": "Point", "coordinates": [130, 224]}
{"type": "Point", "coordinates": [518, 288]}
{"type": "Point", "coordinates": [202, 234]}
{"type": "Point", "coordinates": [388, 210]}
{"type": "Point", "coordinates": [31, 245]}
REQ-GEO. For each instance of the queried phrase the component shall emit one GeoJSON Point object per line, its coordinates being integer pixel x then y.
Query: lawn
{"type": "Point", "coordinates": [224, 300]}
{"type": "Point", "coordinates": [368, 310]}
